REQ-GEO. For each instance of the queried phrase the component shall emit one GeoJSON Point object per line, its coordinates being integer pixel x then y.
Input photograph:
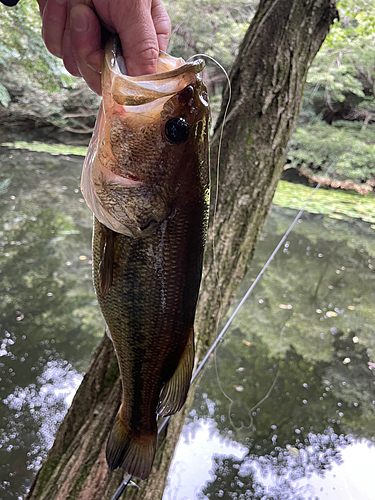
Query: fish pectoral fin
{"type": "Point", "coordinates": [132, 453]}
{"type": "Point", "coordinates": [174, 392]}
{"type": "Point", "coordinates": [108, 332]}
{"type": "Point", "coordinates": [107, 259]}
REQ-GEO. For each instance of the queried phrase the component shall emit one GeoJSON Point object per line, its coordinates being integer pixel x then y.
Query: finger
{"type": "Point", "coordinates": [162, 24]}
{"type": "Point", "coordinates": [42, 4]}
{"type": "Point", "coordinates": [138, 38]}
{"type": "Point", "coordinates": [68, 56]}
{"type": "Point", "coordinates": [54, 20]}
{"type": "Point", "coordinates": [86, 44]}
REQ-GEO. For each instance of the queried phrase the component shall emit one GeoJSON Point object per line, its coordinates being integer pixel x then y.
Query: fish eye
{"type": "Point", "coordinates": [177, 130]}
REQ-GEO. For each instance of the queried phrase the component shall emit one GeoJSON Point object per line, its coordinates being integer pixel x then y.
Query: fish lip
{"type": "Point", "coordinates": [116, 63]}
{"type": "Point", "coordinates": [172, 75]}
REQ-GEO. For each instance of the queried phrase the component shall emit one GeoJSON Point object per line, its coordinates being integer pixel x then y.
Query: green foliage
{"type": "Point", "coordinates": [22, 50]}
{"type": "Point", "coordinates": [346, 62]}
{"type": "Point", "coordinates": [340, 91]}
{"type": "Point", "coordinates": [313, 147]}
{"type": "Point", "coordinates": [213, 27]}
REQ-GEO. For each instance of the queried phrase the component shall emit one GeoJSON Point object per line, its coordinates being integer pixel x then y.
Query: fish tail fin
{"type": "Point", "coordinates": [134, 454]}
{"type": "Point", "coordinates": [174, 392]}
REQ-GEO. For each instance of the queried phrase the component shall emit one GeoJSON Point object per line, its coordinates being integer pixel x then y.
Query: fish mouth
{"type": "Point", "coordinates": [118, 192]}
{"type": "Point", "coordinates": [172, 75]}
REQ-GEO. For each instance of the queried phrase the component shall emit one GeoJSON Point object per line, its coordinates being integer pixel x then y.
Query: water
{"type": "Point", "coordinates": [289, 409]}
{"type": "Point", "coordinates": [49, 320]}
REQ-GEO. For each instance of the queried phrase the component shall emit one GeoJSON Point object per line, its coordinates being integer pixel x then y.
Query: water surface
{"type": "Point", "coordinates": [286, 408]}
{"type": "Point", "coordinates": [49, 319]}
{"type": "Point", "coordinates": [289, 408]}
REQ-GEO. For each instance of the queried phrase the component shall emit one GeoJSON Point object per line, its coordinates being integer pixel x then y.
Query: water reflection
{"type": "Point", "coordinates": [49, 321]}
{"type": "Point", "coordinates": [291, 397]}
{"type": "Point", "coordinates": [293, 381]}
{"type": "Point", "coordinates": [42, 406]}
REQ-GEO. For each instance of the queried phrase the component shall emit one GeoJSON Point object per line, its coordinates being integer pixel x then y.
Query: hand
{"type": "Point", "coordinates": [72, 30]}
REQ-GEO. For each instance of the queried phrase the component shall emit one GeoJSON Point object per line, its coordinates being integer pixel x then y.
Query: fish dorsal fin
{"type": "Point", "coordinates": [107, 259]}
{"type": "Point", "coordinates": [174, 392]}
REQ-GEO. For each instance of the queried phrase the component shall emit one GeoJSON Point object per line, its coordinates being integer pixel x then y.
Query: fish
{"type": "Point", "coordinates": [146, 180]}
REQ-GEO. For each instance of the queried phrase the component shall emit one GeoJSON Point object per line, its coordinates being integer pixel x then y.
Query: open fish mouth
{"type": "Point", "coordinates": [172, 75]}
{"type": "Point", "coordinates": [117, 177]}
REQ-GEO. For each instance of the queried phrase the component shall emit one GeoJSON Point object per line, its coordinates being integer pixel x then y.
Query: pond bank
{"type": "Point", "coordinates": [292, 191]}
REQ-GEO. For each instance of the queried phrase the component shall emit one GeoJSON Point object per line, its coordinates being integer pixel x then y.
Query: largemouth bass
{"type": "Point", "coordinates": [146, 180]}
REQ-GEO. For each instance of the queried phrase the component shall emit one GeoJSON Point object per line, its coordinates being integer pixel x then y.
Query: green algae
{"type": "Point", "coordinates": [335, 204]}
{"type": "Point", "coordinates": [52, 149]}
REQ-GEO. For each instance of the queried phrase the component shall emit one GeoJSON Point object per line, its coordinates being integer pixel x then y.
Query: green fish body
{"type": "Point", "coordinates": [146, 180]}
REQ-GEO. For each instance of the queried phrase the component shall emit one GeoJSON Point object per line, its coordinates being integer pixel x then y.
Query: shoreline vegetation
{"type": "Point", "coordinates": [290, 174]}
{"type": "Point", "coordinates": [336, 203]}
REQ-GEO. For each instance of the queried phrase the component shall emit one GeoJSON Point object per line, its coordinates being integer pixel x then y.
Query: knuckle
{"type": "Point", "coordinates": [148, 52]}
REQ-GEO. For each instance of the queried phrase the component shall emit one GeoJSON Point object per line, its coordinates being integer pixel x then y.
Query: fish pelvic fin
{"type": "Point", "coordinates": [132, 453]}
{"type": "Point", "coordinates": [107, 260]}
{"type": "Point", "coordinates": [174, 392]}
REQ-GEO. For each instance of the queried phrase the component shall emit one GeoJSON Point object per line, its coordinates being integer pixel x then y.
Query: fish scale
{"type": "Point", "coordinates": [149, 194]}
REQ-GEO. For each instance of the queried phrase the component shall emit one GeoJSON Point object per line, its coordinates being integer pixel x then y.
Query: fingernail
{"type": "Point", "coordinates": [78, 21]}
{"type": "Point", "coordinates": [93, 68]}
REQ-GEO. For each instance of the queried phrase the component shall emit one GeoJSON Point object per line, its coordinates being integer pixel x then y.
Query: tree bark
{"type": "Point", "coordinates": [267, 81]}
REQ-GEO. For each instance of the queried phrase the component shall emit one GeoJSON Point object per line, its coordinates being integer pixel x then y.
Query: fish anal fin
{"type": "Point", "coordinates": [107, 260]}
{"type": "Point", "coordinates": [132, 453]}
{"type": "Point", "coordinates": [174, 392]}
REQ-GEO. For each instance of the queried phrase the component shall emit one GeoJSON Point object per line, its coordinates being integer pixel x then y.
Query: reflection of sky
{"type": "Point", "coordinates": [46, 402]}
{"type": "Point", "coordinates": [192, 460]}
{"type": "Point", "coordinates": [327, 318]}
{"type": "Point", "coordinates": [191, 468]}
{"type": "Point", "coordinates": [353, 480]}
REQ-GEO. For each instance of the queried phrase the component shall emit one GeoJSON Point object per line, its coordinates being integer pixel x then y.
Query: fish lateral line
{"type": "Point", "coordinates": [164, 145]}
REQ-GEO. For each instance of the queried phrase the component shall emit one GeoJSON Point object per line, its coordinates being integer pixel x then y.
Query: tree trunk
{"type": "Point", "coordinates": [267, 83]}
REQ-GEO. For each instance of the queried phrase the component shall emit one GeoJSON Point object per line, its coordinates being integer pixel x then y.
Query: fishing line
{"type": "Point", "coordinates": [127, 479]}
{"type": "Point", "coordinates": [215, 203]}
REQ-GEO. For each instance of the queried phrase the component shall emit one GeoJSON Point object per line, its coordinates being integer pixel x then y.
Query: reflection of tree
{"type": "Point", "coordinates": [299, 404]}
{"type": "Point", "coordinates": [336, 289]}
{"type": "Point", "coordinates": [230, 481]}
{"type": "Point", "coordinates": [243, 479]}
{"type": "Point", "coordinates": [291, 383]}
{"type": "Point", "coordinates": [47, 304]}
{"type": "Point", "coordinates": [49, 322]}
{"type": "Point", "coordinates": [301, 427]}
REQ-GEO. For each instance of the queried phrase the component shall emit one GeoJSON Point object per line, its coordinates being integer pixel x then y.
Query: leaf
{"type": "Point", "coordinates": [4, 96]}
